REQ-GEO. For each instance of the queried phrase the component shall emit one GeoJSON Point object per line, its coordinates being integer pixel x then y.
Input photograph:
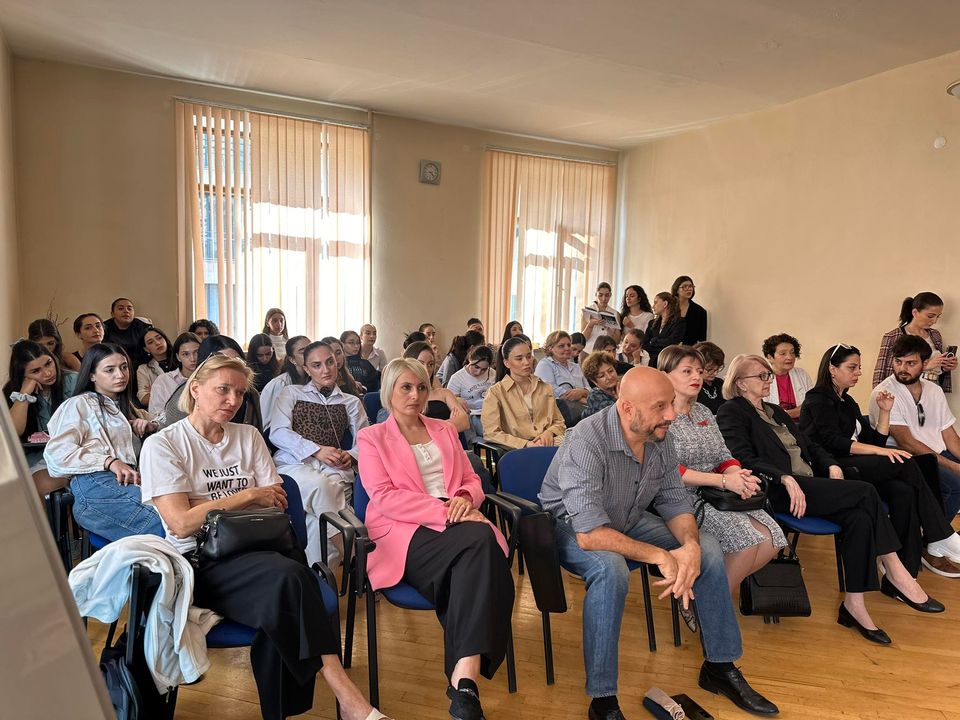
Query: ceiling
{"type": "Point", "coordinates": [607, 72]}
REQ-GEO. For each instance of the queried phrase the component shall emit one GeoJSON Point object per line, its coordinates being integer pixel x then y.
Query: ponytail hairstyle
{"type": "Point", "coordinates": [673, 307]}
{"type": "Point", "coordinates": [91, 361]}
{"type": "Point", "coordinates": [835, 356]}
{"type": "Point", "coordinates": [412, 352]}
{"type": "Point", "coordinates": [46, 328]}
{"type": "Point", "coordinates": [505, 350]}
{"type": "Point", "coordinates": [22, 353]}
{"type": "Point", "coordinates": [919, 302]}
{"type": "Point", "coordinates": [288, 365]}
{"type": "Point", "coordinates": [462, 343]}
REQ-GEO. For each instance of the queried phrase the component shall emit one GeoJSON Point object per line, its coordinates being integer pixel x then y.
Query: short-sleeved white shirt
{"type": "Point", "coordinates": [936, 412]}
{"type": "Point", "coordinates": [178, 459]}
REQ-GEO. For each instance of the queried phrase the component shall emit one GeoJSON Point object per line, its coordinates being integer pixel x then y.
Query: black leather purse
{"type": "Point", "coordinates": [776, 590]}
{"type": "Point", "coordinates": [227, 533]}
{"type": "Point", "coordinates": [728, 500]}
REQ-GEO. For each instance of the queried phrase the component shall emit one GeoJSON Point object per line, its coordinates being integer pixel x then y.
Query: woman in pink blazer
{"type": "Point", "coordinates": [429, 533]}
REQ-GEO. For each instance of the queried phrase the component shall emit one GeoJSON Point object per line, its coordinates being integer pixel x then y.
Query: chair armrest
{"type": "Point", "coordinates": [511, 512]}
{"type": "Point", "coordinates": [324, 571]}
{"type": "Point", "coordinates": [349, 532]}
{"type": "Point", "coordinates": [490, 453]}
{"type": "Point", "coordinates": [363, 546]}
{"type": "Point", "coordinates": [525, 505]}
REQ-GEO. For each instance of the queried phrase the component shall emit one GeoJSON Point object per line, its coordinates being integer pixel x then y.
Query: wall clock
{"type": "Point", "coordinates": [430, 172]}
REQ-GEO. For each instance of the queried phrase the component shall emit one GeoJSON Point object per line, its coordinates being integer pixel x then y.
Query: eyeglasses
{"type": "Point", "coordinates": [762, 377]}
{"type": "Point", "coordinates": [838, 347]}
{"type": "Point", "coordinates": [686, 286]}
{"type": "Point", "coordinates": [713, 368]}
{"type": "Point", "coordinates": [921, 415]}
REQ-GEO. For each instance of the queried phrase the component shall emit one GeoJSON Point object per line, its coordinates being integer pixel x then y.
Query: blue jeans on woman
{"type": "Point", "coordinates": [607, 580]}
{"type": "Point", "coordinates": [105, 507]}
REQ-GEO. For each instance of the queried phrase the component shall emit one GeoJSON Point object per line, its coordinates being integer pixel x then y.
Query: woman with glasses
{"type": "Point", "coordinates": [693, 314]}
{"type": "Point", "coordinates": [791, 383]}
{"type": "Point", "coordinates": [570, 387]}
{"type": "Point", "coordinates": [471, 383]}
{"type": "Point", "coordinates": [520, 410]}
{"type": "Point", "coordinates": [832, 418]}
{"type": "Point", "coordinates": [361, 370]}
{"type": "Point", "coordinates": [805, 478]}
{"type": "Point", "coordinates": [711, 393]}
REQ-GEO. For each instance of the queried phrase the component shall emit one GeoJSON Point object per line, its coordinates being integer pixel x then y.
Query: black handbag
{"type": "Point", "coordinates": [227, 533]}
{"type": "Point", "coordinates": [730, 501]}
{"type": "Point", "coordinates": [776, 590]}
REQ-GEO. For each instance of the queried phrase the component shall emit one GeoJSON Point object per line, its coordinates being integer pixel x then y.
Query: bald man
{"type": "Point", "coordinates": [610, 468]}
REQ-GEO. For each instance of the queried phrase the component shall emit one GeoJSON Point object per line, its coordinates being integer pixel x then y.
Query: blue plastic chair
{"type": "Point", "coordinates": [355, 583]}
{"type": "Point", "coordinates": [812, 526]}
{"type": "Point", "coordinates": [521, 474]}
{"type": "Point", "coordinates": [372, 405]}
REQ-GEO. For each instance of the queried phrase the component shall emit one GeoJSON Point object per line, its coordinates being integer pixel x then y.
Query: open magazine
{"type": "Point", "coordinates": [609, 318]}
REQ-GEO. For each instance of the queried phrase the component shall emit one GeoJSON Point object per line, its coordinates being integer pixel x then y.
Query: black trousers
{"type": "Point", "coordinates": [866, 531]}
{"type": "Point", "coordinates": [464, 573]}
{"type": "Point", "coordinates": [915, 512]}
{"type": "Point", "coordinates": [280, 597]}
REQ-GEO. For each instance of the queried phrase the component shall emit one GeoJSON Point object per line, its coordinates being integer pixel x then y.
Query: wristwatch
{"type": "Point", "coordinates": [22, 397]}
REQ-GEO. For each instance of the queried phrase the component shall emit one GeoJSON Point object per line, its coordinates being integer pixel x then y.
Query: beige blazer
{"type": "Point", "coordinates": [506, 419]}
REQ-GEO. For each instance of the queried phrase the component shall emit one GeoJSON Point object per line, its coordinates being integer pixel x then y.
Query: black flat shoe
{"type": "Point", "coordinates": [464, 705]}
{"type": "Point", "coordinates": [928, 606]}
{"type": "Point", "coordinates": [735, 688]}
{"type": "Point", "coordinates": [847, 620]}
{"type": "Point", "coordinates": [614, 714]}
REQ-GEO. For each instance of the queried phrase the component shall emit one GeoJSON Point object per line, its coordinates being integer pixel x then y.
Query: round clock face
{"type": "Point", "coordinates": [430, 172]}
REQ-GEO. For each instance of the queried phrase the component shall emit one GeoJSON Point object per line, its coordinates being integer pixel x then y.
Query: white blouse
{"type": "Point", "coordinates": [163, 389]}
{"type": "Point", "coordinates": [85, 431]}
{"type": "Point", "coordinates": [147, 374]}
{"type": "Point", "coordinates": [430, 464]}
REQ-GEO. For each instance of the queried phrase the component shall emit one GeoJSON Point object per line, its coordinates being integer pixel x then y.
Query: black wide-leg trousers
{"type": "Point", "coordinates": [280, 597]}
{"type": "Point", "coordinates": [463, 572]}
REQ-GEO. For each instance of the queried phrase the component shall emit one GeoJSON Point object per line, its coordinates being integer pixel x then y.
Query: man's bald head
{"type": "Point", "coordinates": [645, 404]}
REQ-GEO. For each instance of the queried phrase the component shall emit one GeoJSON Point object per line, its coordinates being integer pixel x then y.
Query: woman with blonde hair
{"type": "Point", "coordinates": [557, 368]}
{"type": "Point", "coordinates": [806, 478]}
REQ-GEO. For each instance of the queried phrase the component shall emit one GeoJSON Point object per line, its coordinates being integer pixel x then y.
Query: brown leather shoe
{"type": "Point", "coordinates": [940, 565]}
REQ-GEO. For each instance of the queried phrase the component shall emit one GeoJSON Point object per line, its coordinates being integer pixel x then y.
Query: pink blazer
{"type": "Point", "coordinates": [399, 503]}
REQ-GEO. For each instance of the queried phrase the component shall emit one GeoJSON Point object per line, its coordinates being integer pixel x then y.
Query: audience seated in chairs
{"type": "Point", "coordinates": [429, 533]}
{"type": "Point", "coordinates": [635, 310]}
{"type": "Point", "coordinates": [749, 540]}
{"type": "Point", "coordinates": [600, 369]}
{"type": "Point", "coordinates": [275, 325]}
{"type": "Point", "coordinates": [159, 350]}
{"type": "Point", "coordinates": [631, 348]}
{"type": "Point", "coordinates": [512, 329]}
{"type": "Point", "coordinates": [457, 355]}
{"type": "Point", "coordinates": [291, 372]}
{"type": "Point", "coordinates": [249, 411]}
{"type": "Point", "coordinates": [203, 328]}
{"type": "Point", "coordinates": [89, 331]}
{"type": "Point", "coordinates": [262, 359]}
{"type": "Point", "coordinates": [275, 593]}
{"type": "Point", "coordinates": [308, 424]}
{"type": "Point", "coordinates": [791, 383]}
{"type": "Point", "coordinates": [471, 383]}
{"type": "Point", "coordinates": [918, 315]}
{"type": "Point", "coordinates": [610, 469]}
{"type": "Point", "coordinates": [95, 440]}
{"type": "Point", "coordinates": [45, 332]}
{"type": "Point", "coordinates": [711, 394]}
{"type": "Point", "coordinates": [361, 370]}
{"type": "Point", "coordinates": [368, 347]}
{"type": "Point", "coordinates": [667, 327]}
{"type": "Point", "coordinates": [807, 479]}
{"type": "Point", "coordinates": [921, 421]}
{"type": "Point", "coordinates": [570, 387]}
{"type": "Point", "coordinates": [345, 379]}
{"type": "Point", "coordinates": [185, 350]}
{"type": "Point", "coordinates": [694, 316]}
{"type": "Point", "coordinates": [607, 344]}
{"type": "Point", "coordinates": [36, 387]}
{"type": "Point", "coordinates": [520, 409]}
{"type": "Point", "coordinates": [832, 418]}
{"type": "Point", "coordinates": [577, 343]}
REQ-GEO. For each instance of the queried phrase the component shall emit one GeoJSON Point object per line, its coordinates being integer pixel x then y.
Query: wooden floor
{"type": "Point", "coordinates": [811, 667]}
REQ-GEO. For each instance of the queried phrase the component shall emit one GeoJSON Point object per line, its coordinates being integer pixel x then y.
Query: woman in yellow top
{"type": "Point", "coordinates": [520, 410]}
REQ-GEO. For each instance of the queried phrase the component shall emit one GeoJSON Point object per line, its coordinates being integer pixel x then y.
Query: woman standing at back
{"type": "Point", "coordinates": [635, 312]}
{"type": "Point", "coordinates": [918, 315]}
{"type": "Point", "coordinates": [693, 314]}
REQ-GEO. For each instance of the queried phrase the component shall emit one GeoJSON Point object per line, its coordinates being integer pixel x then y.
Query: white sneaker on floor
{"type": "Point", "coordinates": [945, 548]}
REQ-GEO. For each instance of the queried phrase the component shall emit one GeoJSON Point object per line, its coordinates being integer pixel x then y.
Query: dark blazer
{"type": "Point", "coordinates": [660, 337]}
{"type": "Point", "coordinates": [696, 319]}
{"type": "Point", "coordinates": [830, 420]}
{"type": "Point", "coordinates": [754, 443]}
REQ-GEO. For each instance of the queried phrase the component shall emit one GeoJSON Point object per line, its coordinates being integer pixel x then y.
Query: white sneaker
{"type": "Point", "coordinates": [943, 548]}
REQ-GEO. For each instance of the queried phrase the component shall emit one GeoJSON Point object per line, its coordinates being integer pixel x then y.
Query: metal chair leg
{"type": "Point", "coordinates": [372, 671]}
{"type": "Point", "coordinates": [840, 579]}
{"type": "Point", "coordinates": [519, 563]}
{"type": "Point", "coordinates": [675, 616]}
{"type": "Point", "coordinates": [648, 609]}
{"type": "Point", "coordinates": [511, 665]}
{"type": "Point", "coordinates": [351, 620]}
{"type": "Point", "coordinates": [547, 647]}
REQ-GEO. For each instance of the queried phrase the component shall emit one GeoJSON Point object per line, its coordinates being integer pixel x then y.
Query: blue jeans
{"type": "Point", "coordinates": [949, 487]}
{"type": "Point", "coordinates": [111, 510]}
{"type": "Point", "coordinates": [607, 580]}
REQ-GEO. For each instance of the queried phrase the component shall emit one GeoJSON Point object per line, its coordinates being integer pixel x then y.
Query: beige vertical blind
{"type": "Point", "coordinates": [549, 239]}
{"type": "Point", "coordinates": [274, 213]}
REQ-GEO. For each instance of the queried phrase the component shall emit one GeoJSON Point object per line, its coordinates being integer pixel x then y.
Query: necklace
{"type": "Point", "coordinates": [712, 394]}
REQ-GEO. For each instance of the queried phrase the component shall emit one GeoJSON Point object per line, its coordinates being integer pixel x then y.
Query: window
{"type": "Point", "coordinates": [273, 214]}
{"type": "Point", "coordinates": [549, 239]}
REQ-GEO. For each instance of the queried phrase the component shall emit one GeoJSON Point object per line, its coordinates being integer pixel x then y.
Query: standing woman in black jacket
{"type": "Point", "coordinates": [666, 328]}
{"type": "Point", "coordinates": [693, 314]}
{"type": "Point", "coordinates": [807, 478]}
{"type": "Point", "coordinates": [831, 418]}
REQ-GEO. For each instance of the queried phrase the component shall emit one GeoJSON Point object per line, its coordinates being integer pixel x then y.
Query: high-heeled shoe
{"type": "Point", "coordinates": [847, 620]}
{"type": "Point", "coordinates": [930, 605]}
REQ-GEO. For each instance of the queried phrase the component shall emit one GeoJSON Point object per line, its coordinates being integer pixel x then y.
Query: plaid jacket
{"type": "Point", "coordinates": [884, 368]}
